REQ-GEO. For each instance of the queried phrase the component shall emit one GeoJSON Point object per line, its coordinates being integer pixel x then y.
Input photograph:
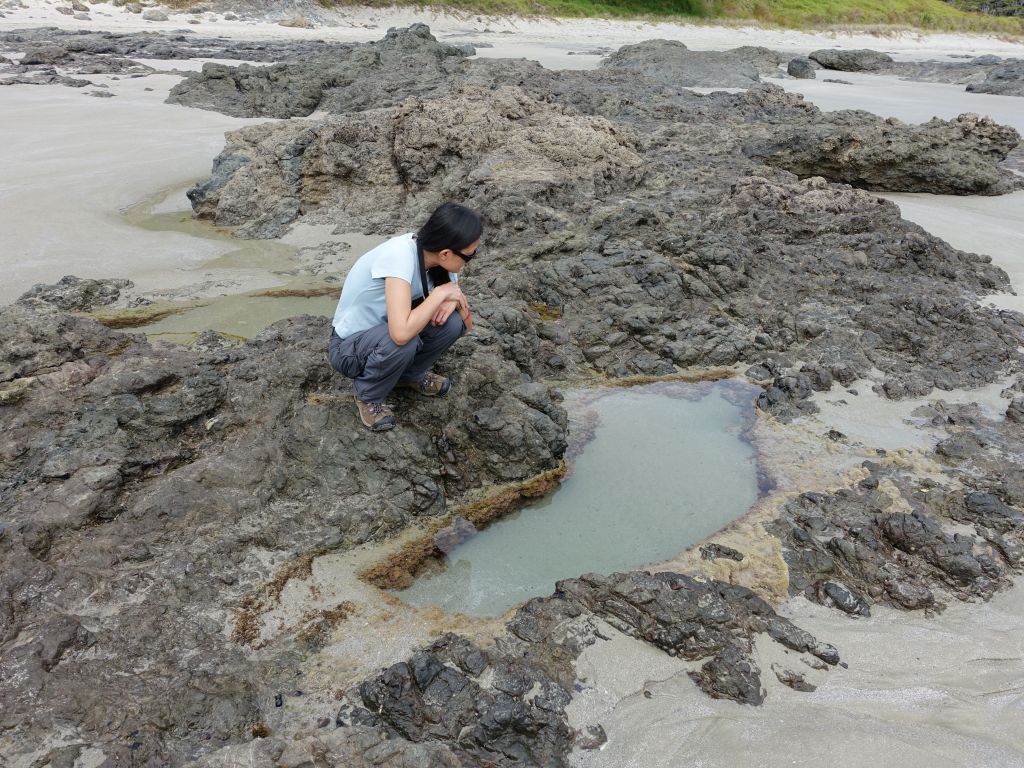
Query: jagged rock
{"type": "Point", "coordinates": [793, 680]}
{"type": "Point", "coordinates": [843, 598]}
{"type": "Point", "coordinates": [943, 157]}
{"type": "Point", "coordinates": [672, 62]}
{"type": "Point", "coordinates": [114, 436]}
{"type": "Point", "coordinates": [45, 54]}
{"type": "Point", "coordinates": [715, 551]}
{"type": "Point", "coordinates": [627, 233]}
{"type": "Point", "coordinates": [1015, 410]}
{"type": "Point", "coordinates": [732, 674]}
{"type": "Point", "coordinates": [801, 68]}
{"type": "Point", "coordinates": [861, 60]}
{"type": "Point", "coordinates": [407, 62]}
{"type": "Point", "coordinates": [484, 141]}
{"type": "Point", "coordinates": [1005, 80]}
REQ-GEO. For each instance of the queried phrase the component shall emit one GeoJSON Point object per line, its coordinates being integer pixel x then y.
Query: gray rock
{"type": "Point", "coordinates": [714, 551]}
{"type": "Point", "coordinates": [72, 293]}
{"type": "Point", "coordinates": [731, 675]}
{"type": "Point", "coordinates": [860, 60]}
{"type": "Point", "coordinates": [672, 62]}
{"type": "Point", "coordinates": [154, 14]}
{"type": "Point", "coordinates": [952, 157]}
{"type": "Point", "coordinates": [1006, 80]}
{"type": "Point", "coordinates": [801, 68]}
{"type": "Point", "coordinates": [46, 54]}
{"type": "Point", "coordinates": [627, 233]}
{"type": "Point", "coordinates": [492, 129]}
{"type": "Point", "coordinates": [792, 679]}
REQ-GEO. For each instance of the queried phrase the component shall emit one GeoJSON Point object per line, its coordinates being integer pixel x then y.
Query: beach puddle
{"type": "Point", "coordinates": [243, 316]}
{"type": "Point", "coordinates": [654, 470]}
{"type": "Point", "coordinates": [248, 284]}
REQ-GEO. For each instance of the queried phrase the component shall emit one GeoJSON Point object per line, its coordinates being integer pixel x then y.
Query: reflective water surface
{"type": "Point", "coordinates": [665, 466]}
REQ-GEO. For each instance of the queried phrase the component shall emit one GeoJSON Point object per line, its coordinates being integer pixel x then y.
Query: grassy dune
{"type": "Point", "coordinates": [931, 15]}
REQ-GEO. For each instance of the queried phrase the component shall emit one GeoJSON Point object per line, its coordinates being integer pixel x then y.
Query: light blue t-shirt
{"type": "Point", "coordinates": [362, 304]}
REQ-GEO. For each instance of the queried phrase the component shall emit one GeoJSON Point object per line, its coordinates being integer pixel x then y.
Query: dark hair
{"type": "Point", "coordinates": [451, 226]}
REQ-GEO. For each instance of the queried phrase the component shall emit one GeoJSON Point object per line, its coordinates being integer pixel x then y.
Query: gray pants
{"type": "Point", "coordinates": [376, 364]}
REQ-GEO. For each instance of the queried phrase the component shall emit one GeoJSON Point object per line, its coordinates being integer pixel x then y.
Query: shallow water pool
{"type": "Point", "coordinates": [654, 470]}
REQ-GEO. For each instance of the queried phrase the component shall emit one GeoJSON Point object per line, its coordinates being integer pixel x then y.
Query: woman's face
{"type": "Point", "coordinates": [454, 260]}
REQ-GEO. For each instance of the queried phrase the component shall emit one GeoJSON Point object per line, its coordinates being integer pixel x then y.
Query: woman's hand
{"type": "Point", "coordinates": [443, 312]}
{"type": "Point", "coordinates": [454, 300]}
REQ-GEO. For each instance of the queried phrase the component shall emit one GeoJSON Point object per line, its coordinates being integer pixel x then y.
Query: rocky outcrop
{"type": "Point", "coordinates": [648, 240]}
{"type": "Point", "coordinates": [501, 149]}
{"type": "Point", "coordinates": [150, 479]}
{"type": "Point", "coordinates": [406, 63]}
{"type": "Point", "coordinates": [889, 539]}
{"type": "Point", "coordinates": [861, 60]}
{"type": "Point", "coordinates": [157, 495]}
{"type": "Point", "coordinates": [75, 293]}
{"type": "Point", "coordinates": [1005, 80]}
{"type": "Point", "coordinates": [505, 705]}
{"type": "Point", "coordinates": [672, 62]}
{"type": "Point", "coordinates": [957, 157]}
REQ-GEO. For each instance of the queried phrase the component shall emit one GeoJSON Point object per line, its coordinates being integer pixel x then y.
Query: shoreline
{"type": "Point", "coordinates": [364, 23]}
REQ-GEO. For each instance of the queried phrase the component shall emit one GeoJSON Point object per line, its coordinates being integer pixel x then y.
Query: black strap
{"type": "Point", "coordinates": [423, 270]}
{"type": "Point", "coordinates": [439, 275]}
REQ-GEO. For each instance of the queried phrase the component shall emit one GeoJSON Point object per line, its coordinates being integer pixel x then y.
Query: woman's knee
{"type": "Point", "coordinates": [454, 326]}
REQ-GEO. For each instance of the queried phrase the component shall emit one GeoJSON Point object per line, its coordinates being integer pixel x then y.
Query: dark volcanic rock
{"type": "Point", "coordinates": [516, 714]}
{"type": "Point", "coordinates": [716, 551]}
{"type": "Point", "coordinates": [44, 54]}
{"type": "Point", "coordinates": [407, 62]}
{"type": "Point", "coordinates": [75, 293]}
{"type": "Point", "coordinates": [650, 222]}
{"type": "Point", "coordinates": [672, 62]}
{"type": "Point", "coordinates": [801, 68]}
{"type": "Point", "coordinates": [145, 490]}
{"type": "Point", "coordinates": [116, 453]}
{"type": "Point", "coordinates": [732, 674]}
{"type": "Point", "coordinates": [956, 157]}
{"type": "Point", "coordinates": [481, 137]}
{"type": "Point", "coordinates": [1005, 80]}
{"type": "Point", "coordinates": [860, 60]}
{"type": "Point", "coordinates": [841, 548]}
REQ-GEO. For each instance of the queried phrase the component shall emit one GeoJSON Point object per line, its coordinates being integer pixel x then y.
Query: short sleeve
{"type": "Point", "coordinates": [395, 262]}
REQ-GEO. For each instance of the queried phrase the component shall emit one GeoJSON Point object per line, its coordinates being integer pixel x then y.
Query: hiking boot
{"type": "Point", "coordinates": [377, 416]}
{"type": "Point", "coordinates": [429, 384]}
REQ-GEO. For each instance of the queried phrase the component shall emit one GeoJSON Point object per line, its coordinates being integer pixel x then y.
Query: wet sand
{"type": "Point", "coordinates": [919, 692]}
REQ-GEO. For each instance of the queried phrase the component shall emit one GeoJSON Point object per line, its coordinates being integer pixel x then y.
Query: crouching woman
{"type": "Point", "coordinates": [401, 307]}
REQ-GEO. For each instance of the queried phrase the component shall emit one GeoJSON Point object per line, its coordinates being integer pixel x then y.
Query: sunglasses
{"type": "Point", "coordinates": [466, 257]}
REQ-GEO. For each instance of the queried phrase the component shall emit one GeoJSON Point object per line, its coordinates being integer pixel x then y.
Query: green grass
{"type": "Point", "coordinates": [879, 16]}
{"type": "Point", "coordinates": [882, 15]}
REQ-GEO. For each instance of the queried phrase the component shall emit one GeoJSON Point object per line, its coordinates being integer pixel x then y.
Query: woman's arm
{"type": "Point", "coordinates": [405, 323]}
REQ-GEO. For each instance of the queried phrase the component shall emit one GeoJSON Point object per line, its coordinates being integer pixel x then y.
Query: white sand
{"type": "Point", "coordinates": [72, 162]}
{"type": "Point", "coordinates": [919, 693]}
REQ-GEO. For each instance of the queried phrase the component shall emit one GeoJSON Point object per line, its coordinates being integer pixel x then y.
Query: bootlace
{"type": "Point", "coordinates": [377, 409]}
